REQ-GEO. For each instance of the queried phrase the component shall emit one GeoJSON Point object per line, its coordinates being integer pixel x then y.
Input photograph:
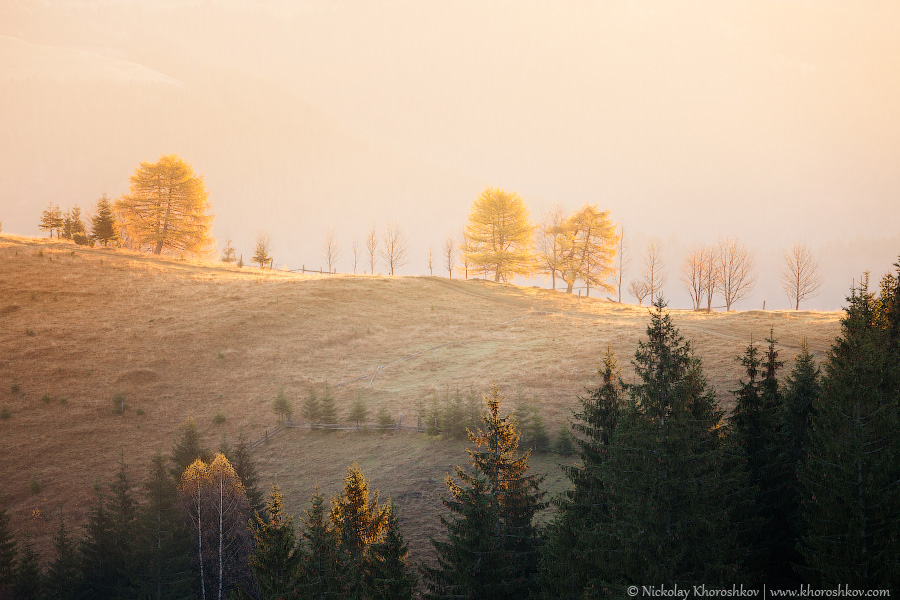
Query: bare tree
{"type": "Point", "coordinates": [624, 260]}
{"type": "Point", "coordinates": [653, 271]}
{"type": "Point", "coordinates": [709, 274]}
{"type": "Point", "coordinates": [691, 276]}
{"type": "Point", "coordinates": [371, 246]}
{"type": "Point", "coordinates": [449, 247]}
{"type": "Point", "coordinates": [464, 251]}
{"type": "Point", "coordinates": [330, 250]}
{"type": "Point", "coordinates": [736, 277]}
{"type": "Point", "coordinates": [639, 290]}
{"type": "Point", "coordinates": [548, 242]}
{"type": "Point", "coordinates": [394, 247]}
{"type": "Point", "coordinates": [356, 249]}
{"type": "Point", "coordinates": [800, 277]}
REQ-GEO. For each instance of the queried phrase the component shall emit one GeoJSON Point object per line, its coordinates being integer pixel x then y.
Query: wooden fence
{"type": "Point", "coordinates": [393, 427]}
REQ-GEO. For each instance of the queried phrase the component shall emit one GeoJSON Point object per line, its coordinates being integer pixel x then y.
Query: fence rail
{"type": "Point", "coordinates": [393, 427]}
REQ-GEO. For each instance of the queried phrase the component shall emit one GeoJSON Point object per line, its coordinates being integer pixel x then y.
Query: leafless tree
{"type": "Point", "coordinates": [653, 271]}
{"type": "Point", "coordinates": [430, 261]}
{"type": "Point", "coordinates": [464, 250]}
{"type": "Point", "coordinates": [800, 277]}
{"type": "Point", "coordinates": [692, 276]}
{"type": "Point", "coordinates": [709, 274]}
{"type": "Point", "coordinates": [394, 247]}
{"type": "Point", "coordinates": [330, 250]}
{"type": "Point", "coordinates": [624, 260]}
{"type": "Point", "coordinates": [449, 247]}
{"type": "Point", "coordinates": [639, 290]}
{"type": "Point", "coordinates": [736, 277]}
{"type": "Point", "coordinates": [355, 255]}
{"type": "Point", "coordinates": [372, 246]}
{"type": "Point", "coordinates": [548, 242]}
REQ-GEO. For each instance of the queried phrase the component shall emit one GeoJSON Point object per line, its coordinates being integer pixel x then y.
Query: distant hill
{"type": "Point", "coordinates": [182, 338]}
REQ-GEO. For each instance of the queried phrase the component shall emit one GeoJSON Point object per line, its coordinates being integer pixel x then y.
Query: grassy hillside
{"type": "Point", "coordinates": [182, 338]}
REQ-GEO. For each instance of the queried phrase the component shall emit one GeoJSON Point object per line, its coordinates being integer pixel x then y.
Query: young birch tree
{"type": "Point", "coordinates": [449, 249]}
{"type": "Point", "coordinates": [639, 290]}
{"type": "Point", "coordinates": [624, 260]}
{"type": "Point", "coordinates": [736, 277]}
{"type": "Point", "coordinates": [394, 247]}
{"type": "Point", "coordinates": [653, 275]}
{"type": "Point", "coordinates": [692, 277]}
{"type": "Point", "coordinates": [548, 242]}
{"type": "Point", "coordinates": [372, 246]}
{"type": "Point", "coordinates": [430, 260]}
{"type": "Point", "coordinates": [330, 251]}
{"type": "Point", "coordinates": [800, 277]}
{"type": "Point", "coordinates": [709, 274]}
{"type": "Point", "coordinates": [355, 247]}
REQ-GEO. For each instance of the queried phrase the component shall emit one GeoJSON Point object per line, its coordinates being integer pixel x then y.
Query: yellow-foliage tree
{"type": "Point", "coordinates": [168, 208]}
{"type": "Point", "coordinates": [587, 249]}
{"type": "Point", "coordinates": [358, 519]}
{"type": "Point", "coordinates": [216, 503]}
{"type": "Point", "coordinates": [498, 236]}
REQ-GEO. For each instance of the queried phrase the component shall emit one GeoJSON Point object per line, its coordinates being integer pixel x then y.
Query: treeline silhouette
{"type": "Point", "coordinates": [799, 486]}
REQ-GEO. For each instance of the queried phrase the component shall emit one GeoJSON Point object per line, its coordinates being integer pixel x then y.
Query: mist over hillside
{"type": "Point", "coordinates": [773, 123]}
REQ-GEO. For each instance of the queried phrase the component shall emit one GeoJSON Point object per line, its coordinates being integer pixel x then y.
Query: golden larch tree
{"type": "Point", "coordinates": [168, 208]}
{"type": "Point", "coordinates": [499, 236]}
{"type": "Point", "coordinates": [587, 249]}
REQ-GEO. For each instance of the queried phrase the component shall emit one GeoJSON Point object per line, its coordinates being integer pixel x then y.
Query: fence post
{"type": "Point", "coordinates": [399, 421]}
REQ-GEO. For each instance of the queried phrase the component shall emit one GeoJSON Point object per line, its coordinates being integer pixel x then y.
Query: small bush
{"type": "Point", "coordinates": [29, 332]}
{"type": "Point", "coordinates": [139, 412]}
{"type": "Point", "coordinates": [5, 413]}
{"type": "Point", "coordinates": [219, 417]}
{"type": "Point", "coordinates": [34, 486]}
{"type": "Point", "coordinates": [63, 400]}
{"type": "Point", "coordinates": [119, 405]}
{"type": "Point", "coordinates": [82, 240]}
{"type": "Point", "coordinates": [46, 399]}
{"type": "Point", "coordinates": [15, 388]}
{"type": "Point", "coordinates": [41, 253]}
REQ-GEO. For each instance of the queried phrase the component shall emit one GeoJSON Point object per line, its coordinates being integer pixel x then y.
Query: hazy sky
{"type": "Point", "coordinates": [772, 121]}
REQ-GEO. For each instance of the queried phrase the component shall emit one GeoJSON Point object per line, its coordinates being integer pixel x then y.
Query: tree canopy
{"type": "Point", "coordinates": [498, 235]}
{"type": "Point", "coordinates": [168, 208]}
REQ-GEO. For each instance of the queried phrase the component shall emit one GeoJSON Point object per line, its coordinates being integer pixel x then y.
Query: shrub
{"type": "Point", "coordinates": [5, 413]}
{"type": "Point", "coordinates": [139, 412]}
{"type": "Point", "coordinates": [82, 240]}
{"type": "Point", "coordinates": [219, 417]}
{"type": "Point", "coordinates": [63, 400]}
{"type": "Point", "coordinates": [29, 332]}
{"type": "Point", "coordinates": [119, 405]}
{"type": "Point", "coordinates": [15, 388]}
{"type": "Point", "coordinates": [34, 486]}
{"type": "Point", "coordinates": [46, 399]}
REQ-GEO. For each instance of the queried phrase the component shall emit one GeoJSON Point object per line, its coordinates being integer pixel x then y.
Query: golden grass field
{"type": "Point", "coordinates": [186, 339]}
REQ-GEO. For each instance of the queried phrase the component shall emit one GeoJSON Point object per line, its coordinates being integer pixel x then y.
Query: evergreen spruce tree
{"type": "Point", "coordinates": [327, 408]}
{"type": "Point", "coordinates": [241, 458]}
{"type": "Point", "coordinates": [358, 411]}
{"type": "Point", "coordinates": [276, 557]}
{"type": "Point", "coordinates": [29, 580]}
{"type": "Point", "coordinates": [312, 408]}
{"type": "Point", "coordinates": [72, 223]}
{"type": "Point", "coordinates": [52, 219]}
{"type": "Point", "coordinates": [388, 573]}
{"type": "Point", "coordinates": [8, 553]}
{"type": "Point", "coordinates": [500, 499]}
{"type": "Point", "coordinates": [666, 478]}
{"type": "Point", "coordinates": [851, 477]}
{"type": "Point", "coordinates": [162, 540]}
{"type": "Point", "coordinates": [188, 449]}
{"type": "Point", "coordinates": [63, 573]}
{"type": "Point", "coordinates": [574, 556]}
{"type": "Point", "coordinates": [103, 223]}
{"type": "Point", "coordinates": [324, 567]}
{"type": "Point", "coordinates": [96, 551]}
{"type": "Point", "coordinates": [123, 512]}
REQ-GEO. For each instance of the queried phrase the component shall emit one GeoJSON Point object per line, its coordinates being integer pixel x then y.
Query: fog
{"type": "Point", "coordinates": [771, 121]}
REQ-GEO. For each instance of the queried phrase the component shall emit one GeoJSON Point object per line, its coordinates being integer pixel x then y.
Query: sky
{"type": "Point", "coordinates": [772, 121]}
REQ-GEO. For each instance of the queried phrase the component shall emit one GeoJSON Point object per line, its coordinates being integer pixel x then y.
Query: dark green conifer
{"type": "Point", "coordinates": [8, 553]}
{"type": "Point", "coordinates": [29, 580]}
{"type": "Point", "coordinates": [241, 459]}
{"type": "Point", "coordinates": [851, 476]}
{"type": "Point", "coordinates": [388, 573]}
{"type": "Point", "coordinates": [103, 224]}
{"type": "Point", "coordinates": [500, 490]}
{"type": "Point", "coordinates": [327, 408]}
{"type": "Point", "coordinates": [358, 411]}
{"type": "Point", "coordinates": [325, 567]}
{"type": "Point", "coordinates": [575, 556]}
{"type": "Point", "coordinates": [96, 550]}
{"type": "Point", "coordinates": [163, 541]}
{"type": "Point", "coordinates": [188, 449]}
{"type": "Point", "coordinates": [63, 572]}
{"type": "Point", "coordinates": [276, 557]}
{"type": "Point", "coordinates": [665, 475]}
{"type": "Point", "coordinates": [312, 411]}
